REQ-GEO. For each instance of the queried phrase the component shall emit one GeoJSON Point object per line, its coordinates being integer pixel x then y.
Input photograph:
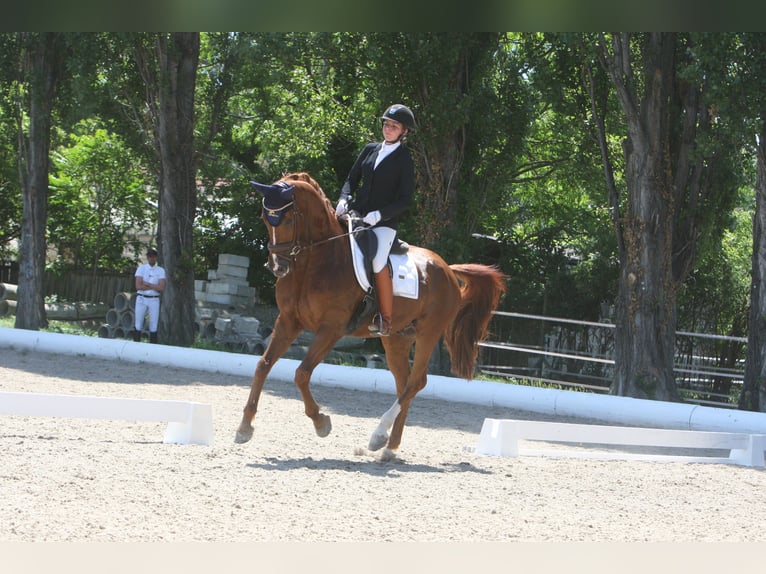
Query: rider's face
{"type": "Point", "coordinates": [392, 130]}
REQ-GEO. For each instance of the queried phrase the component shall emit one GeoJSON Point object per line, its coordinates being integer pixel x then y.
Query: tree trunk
{"type": "Point", "coordinates": [646, 299]}
{"type": "Point", "coordinates": [646, 311]}
{"type": "Point", "coordinates": [178, 55]}
{"type": "Point", "coordinates": [753, 396]}
{"type": "Point", "coordinates": [41, 67]}
{"type": "Point", "coordinates": [437, 182]}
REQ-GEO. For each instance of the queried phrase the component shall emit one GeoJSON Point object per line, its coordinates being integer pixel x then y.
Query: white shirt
{"type": "Point", "coordinates": [150, 275]}
{"type": "Point", "coordinates": [384, 150]}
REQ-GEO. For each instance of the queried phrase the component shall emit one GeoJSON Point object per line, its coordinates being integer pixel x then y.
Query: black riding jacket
{"type": "Point", "coordinates": [388, 189]}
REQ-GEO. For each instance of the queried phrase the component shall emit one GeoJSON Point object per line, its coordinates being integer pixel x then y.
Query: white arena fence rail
{"type": "Point", "coordinates": [580, 355]}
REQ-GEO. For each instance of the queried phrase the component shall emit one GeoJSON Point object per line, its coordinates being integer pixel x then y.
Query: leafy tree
{"type": "Point", "coordinates": [550, 225]}
{"type": "Point", "coordinates": [10, 193]}
{"type": "Point", "coordinates": [446, 78]}
{"type": "Point", "coordinates": [291, 106]}
{"type": "Point", "coordinates": [98, 199]}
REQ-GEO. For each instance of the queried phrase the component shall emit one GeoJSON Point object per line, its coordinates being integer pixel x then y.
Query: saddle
{"type": "Point", "coordinates": [365, 243]}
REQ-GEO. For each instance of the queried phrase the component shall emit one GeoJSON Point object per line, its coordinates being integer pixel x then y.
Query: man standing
{"type": "Point", "coordinates": [150, 283]}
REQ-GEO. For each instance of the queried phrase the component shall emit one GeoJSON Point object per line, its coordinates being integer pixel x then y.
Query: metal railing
{"type": "Point", "coordinates": [579, 355]}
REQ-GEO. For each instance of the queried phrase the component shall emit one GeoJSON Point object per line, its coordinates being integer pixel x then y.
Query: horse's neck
{"type": "Point", "coordinates": [320, 232]}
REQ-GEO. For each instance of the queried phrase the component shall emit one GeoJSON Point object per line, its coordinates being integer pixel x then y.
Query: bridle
{"type": "Point", "coordinates": [286, 252]}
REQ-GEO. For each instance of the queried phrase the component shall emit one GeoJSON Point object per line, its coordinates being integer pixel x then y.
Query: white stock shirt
{"type": "Point", "coordinates": [151, 275]}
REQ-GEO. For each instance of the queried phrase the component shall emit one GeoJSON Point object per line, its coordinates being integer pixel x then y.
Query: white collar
{"type": "Point", "coordinates": [385, 150]}
{"type": "Point", "coordinates": [389, 147]}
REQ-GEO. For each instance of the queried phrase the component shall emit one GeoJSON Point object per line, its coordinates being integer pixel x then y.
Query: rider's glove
{"type": "Point", "coordinates": [372, 218]}
{"type": "Point", "coordinates": [342, 208]}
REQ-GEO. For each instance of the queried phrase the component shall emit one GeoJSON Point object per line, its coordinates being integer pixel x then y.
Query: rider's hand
{"type": "Point", "coordinates": [372, 218]}
{"type": "Point", "coordinates": [342, 208]}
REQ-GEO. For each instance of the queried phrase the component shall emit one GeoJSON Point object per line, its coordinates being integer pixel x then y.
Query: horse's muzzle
{"type": "Point", "coordinates": [279, 266]}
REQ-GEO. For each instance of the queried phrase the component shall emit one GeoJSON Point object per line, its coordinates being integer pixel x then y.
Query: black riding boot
{"type": "Point", "coordinates": [153, 337]}
{"type": "Point", "coordinates": [136, 336]}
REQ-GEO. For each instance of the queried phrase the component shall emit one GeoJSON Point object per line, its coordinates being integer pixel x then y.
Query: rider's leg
{"type": "Point", "coordinates": [381, 324]}
{"type": "Point", "coordinates": [383, 283]}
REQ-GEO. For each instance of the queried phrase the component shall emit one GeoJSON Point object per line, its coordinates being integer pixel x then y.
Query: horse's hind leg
{"type": "Point", "coordinates": [397, 359]}
{"type": "Point", "coordinates": [396, 416]}
{"type": "Point", "coordinates": [281, 337]}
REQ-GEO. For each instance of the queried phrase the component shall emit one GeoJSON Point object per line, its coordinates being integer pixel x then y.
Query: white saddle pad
{"type": "Point", "coordinates": [405, 277]}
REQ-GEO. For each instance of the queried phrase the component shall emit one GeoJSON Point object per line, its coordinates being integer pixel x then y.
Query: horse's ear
{"type": "Point", "coordinates": [260, 188]}
{"type": "Point", "coordinates": [275, 191]}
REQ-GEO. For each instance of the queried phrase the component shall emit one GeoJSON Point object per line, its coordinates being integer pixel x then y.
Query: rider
{"type": "Point", "coordinates": [387, 173]}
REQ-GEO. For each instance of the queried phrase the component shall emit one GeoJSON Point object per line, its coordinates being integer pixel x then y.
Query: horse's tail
{"type": "Point", "coordinates": [480, 291]}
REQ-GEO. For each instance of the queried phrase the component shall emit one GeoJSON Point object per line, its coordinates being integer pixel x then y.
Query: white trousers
{"type": "Point", "coordinates": [150, 305]}
{"type": "Point", "coordinates": [386, 237]}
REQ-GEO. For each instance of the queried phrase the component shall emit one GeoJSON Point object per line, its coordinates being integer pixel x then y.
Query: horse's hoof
{"type": "Point", "coordinates": [243, 436]}
{"type": "Point", "coordinates": [386, 455]}
{"type": "Point", "coordinates": [378, 441]}
{"type": "Point", "coordinates": [325, 427]}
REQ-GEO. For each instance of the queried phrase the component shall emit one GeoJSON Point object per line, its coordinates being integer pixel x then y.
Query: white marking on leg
{"type": "Point", "coordinates": [387, 420]}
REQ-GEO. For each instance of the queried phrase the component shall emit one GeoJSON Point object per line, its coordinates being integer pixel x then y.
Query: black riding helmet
{"type": "Point", "coordinates": [400, 113]}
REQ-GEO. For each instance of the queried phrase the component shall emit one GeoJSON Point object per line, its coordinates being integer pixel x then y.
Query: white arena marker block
{"type": "Point", "coordinates": [500, 437]}
{"type": "Point", "coordinates": [188, 422]}
{"type": "Point", "coordinates": [752, 454]}
{"type": "Point", "coordinates": [197, 429]}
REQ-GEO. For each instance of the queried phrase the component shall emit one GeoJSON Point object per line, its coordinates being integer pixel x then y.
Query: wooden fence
{"type": "Point", "coordinates": [87, 286]}
{"type": "Point", "coordinates": [9, 272]}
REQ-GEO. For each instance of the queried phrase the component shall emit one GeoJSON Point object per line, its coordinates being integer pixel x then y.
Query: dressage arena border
{"type": "Point", "coordinates": [601, 408]}
{"type": "Point", "coordinates": [501, 437]}
{"type": "Point", "coordinates": [188, 422]}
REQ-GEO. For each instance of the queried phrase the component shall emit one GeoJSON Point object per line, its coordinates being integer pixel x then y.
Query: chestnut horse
{"type": "Point", "coordinates": [317, 290]}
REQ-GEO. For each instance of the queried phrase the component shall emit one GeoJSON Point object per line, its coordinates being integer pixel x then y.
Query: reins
{"type": "Point", "coordinates": [293, 247]}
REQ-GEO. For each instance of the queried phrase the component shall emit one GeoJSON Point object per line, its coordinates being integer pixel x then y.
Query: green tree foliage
{"type": "Point", "coordinates": [10, 195]}
{"type": "Point", "coordinates": [466, 96]}
{"type": "Point", "coordinates": [552, 227]}
{"type": "Point", "coordinates": [99, 199]}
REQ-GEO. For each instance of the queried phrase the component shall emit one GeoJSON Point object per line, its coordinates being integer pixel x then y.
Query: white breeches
{"type": "Point", "coordinates": [386, 237]}
{"type": "Point", "coordinates": [152, 306]}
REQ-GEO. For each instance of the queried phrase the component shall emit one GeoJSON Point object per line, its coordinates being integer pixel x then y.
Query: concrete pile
{"type": "Point", "coordinates": [227, 286]}
{"type": "Point", "coordinates": [225, 306]}
{"type": "Point", "coordinates": [120, 318]}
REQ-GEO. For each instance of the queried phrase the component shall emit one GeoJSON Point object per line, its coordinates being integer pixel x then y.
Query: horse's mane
{"type": "Point", "coordinates": [306, 178]}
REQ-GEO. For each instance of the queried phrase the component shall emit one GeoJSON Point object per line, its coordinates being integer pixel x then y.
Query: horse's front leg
{"type": "Point", "coordinates": [281, 337]}
{"type": "Point", "coordinates": [324, 340]}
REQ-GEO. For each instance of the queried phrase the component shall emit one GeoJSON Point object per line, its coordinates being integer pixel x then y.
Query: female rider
{"type": "Point", "coordinates": [387, 175]}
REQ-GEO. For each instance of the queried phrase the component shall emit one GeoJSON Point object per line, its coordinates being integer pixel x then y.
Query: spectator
{"type": "Point", "coordinates": [150, 283]}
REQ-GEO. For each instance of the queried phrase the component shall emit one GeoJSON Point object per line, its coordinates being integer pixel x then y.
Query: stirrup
{"type": "Point", "coordinates": [379, 326]}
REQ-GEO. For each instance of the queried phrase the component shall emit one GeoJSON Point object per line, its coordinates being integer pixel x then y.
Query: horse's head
{"type": "Point", "coordinates": [297, 214]}
{"type": "Point", "coordinates": [278, 201]}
